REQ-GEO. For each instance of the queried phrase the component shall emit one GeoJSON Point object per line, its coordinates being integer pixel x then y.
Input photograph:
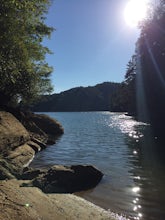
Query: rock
{"type": "Point", "coordinates": [7, 171]}
{"type": "Point", "coordinates": [40, 126]}
{"type": "Point", "coordinates": [63, 179]}
{"type": "Point", "coordinates": [22, 134]}
{"type": "Point", "coordinates": [87, 175]}
{"type": "Point", "coordinates": [5, 174]}
{"type": "Point", "coordinates": [26, 119]}
{"type": "Point", "coordinates": [40, 143]}
{"type": "Point", "coordinates": [30, 173]}
{"type": "Point", "coordinates": [34, 146]}
{"type": "Point", "coordinates": [12, 132]}
{"type": "Point", "coordinates": [29, 203]}
{"type": "Point", "coordinates": [49, 126]}
{"type": "Point", "coordinates": [21, 156]}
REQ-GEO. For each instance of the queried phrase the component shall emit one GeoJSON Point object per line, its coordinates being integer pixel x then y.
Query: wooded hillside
{"type": "Point", "coordinates": [96, 98]}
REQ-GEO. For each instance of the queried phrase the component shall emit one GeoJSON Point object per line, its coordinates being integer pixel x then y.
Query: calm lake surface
{"type": "Point", "coordinates": [124, 150]}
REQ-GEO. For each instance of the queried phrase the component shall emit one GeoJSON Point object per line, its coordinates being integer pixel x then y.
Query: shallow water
{"type": "Point", "coordinates": [124, 150]}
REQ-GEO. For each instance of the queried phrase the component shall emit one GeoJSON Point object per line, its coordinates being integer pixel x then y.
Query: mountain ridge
{"type": "Point", "coordinates": [91, 98]}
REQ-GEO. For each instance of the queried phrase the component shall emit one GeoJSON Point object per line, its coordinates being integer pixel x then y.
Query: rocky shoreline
{"type": "Point", "coordinates": [22, 189]}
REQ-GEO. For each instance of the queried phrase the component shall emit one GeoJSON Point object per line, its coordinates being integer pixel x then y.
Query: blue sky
{"type": "Point", "coordinates": [92, 42]}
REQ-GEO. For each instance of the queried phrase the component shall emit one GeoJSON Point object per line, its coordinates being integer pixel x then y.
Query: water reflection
{"type": "Point", "coordinates": [147, 158]}
{"type": "Point", "coordinates": [135, 152]}
{"type": "Point", "coordinates": [136, 189]}
{"type": "Point", "coordinates": [124, 150]}
{"type": "Point", "coordinates": [148, 174]}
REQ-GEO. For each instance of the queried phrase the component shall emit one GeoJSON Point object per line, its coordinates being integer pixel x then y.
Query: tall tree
{"type": "Point", "coordinates": [124, 99]}
{"type": "Point", "coordinates": [24, 74]}
{"type": "Point", "coordinates": [151, 47]}
{"type": "Point", "coordinates": [147, 82]}
{"type": "Point", "coordinates": [143, 91]}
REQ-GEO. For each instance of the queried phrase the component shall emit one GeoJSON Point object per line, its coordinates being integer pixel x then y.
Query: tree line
{"type": "Point", "coordinates": [142, 93]}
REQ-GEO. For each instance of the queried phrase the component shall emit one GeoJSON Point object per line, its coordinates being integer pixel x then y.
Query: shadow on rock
{"type": "Point", "coordinates": [64, 179]}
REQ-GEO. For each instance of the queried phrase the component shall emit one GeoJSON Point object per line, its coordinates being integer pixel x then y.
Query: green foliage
{"type": "Point", "coordinates": [24, 74]}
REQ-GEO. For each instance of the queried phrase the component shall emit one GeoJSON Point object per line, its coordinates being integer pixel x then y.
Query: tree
{"type": "Point", "coordinates": [130, 85]}
{"type": "Point", "coordinates": [130, 71]}
{"type": "Point", "coordinates": [150, 69]}
{"type": "Point", "coordinates": [24, 74]}
{"type": "Point", "coordinates": [142, 93]}
{"type": "Point", "coordinates": [124, 99]}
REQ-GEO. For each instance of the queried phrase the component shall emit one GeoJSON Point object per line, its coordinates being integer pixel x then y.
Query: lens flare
{"type": "Point", "coordinates": [135, 11]}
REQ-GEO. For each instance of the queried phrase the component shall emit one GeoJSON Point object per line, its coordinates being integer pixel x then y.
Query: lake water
{"type": "Point", "coordinates": [124, 150]}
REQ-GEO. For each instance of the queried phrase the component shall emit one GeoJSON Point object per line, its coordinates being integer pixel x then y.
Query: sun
{"type": "Point", "coordinates": [135, 11]}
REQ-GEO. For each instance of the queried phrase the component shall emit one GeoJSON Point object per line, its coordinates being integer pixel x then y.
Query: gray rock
{"type": "Point", "coordinates": [63, 179]}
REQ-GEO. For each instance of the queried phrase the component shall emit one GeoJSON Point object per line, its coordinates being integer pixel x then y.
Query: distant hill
{"type": "Point", "coordinates": [91, 98]}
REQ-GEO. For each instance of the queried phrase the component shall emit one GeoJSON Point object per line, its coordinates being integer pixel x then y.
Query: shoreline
{"type": "Point", "coordinates": [30, 203]}
{"type": "Point", "coordinates": [24, 136]}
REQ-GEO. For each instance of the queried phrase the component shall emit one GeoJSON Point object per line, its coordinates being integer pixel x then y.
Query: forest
{"type": "Point", "coordinates": [91, 98]}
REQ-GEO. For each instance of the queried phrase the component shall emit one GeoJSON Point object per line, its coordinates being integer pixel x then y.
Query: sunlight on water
{"type": "Point", "coordinates": [136, 203]}
{"type": "Point", "coordinates": [127, 125]}
{"type": "Point", "coordinates": [117, 145]}
{"type": "Point", "coordinates": [136, 189]}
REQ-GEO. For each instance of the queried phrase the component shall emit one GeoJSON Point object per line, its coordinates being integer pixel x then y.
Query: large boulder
{"type": "Point", "coordinates": [49, 126]}
{"type": "Point", "coordinates": [12, 133]}
{"type": "Point", "coordinates": [64, 179]}
{"type": "Point", "coordinates": [40, 126]}
{"type": "Point", "coordinates": [22, 134]}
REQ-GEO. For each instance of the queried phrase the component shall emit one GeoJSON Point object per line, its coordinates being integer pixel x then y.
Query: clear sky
{"type": "Point", "coordinates": [92, 42]}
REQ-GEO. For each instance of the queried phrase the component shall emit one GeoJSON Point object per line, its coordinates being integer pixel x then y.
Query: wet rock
{"type": "Point", "coordinates": [63, 179]}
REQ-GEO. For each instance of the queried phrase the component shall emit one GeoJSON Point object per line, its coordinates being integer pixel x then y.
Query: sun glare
{"type": "Point", "coordinates": [135, 11]}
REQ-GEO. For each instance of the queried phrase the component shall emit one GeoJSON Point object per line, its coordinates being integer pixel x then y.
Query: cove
{"type": "Point", "coordinates": [124, 150]}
